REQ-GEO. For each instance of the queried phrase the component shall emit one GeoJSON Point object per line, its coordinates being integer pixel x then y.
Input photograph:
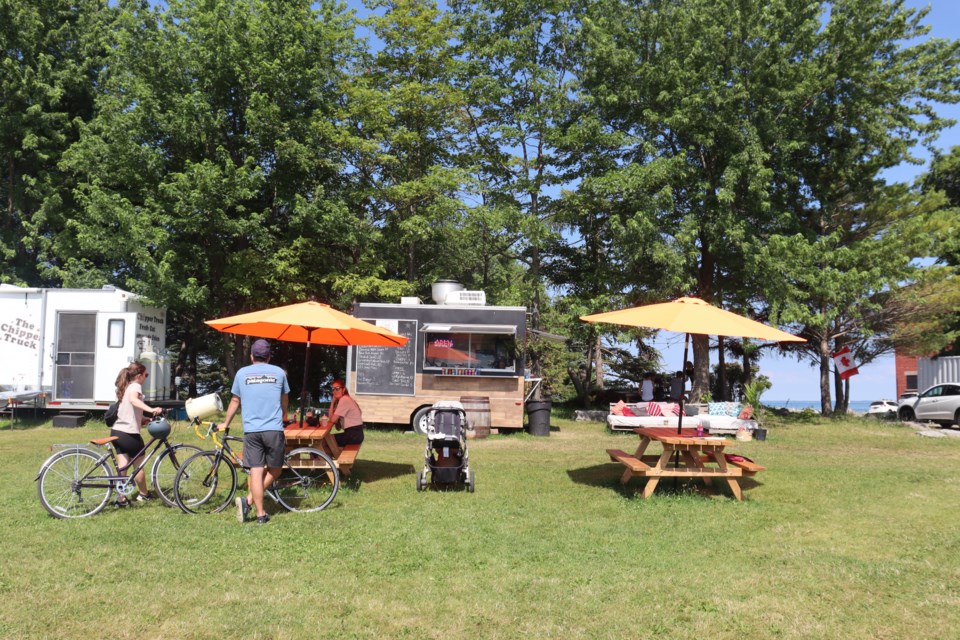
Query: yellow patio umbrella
{"type": "Point", "coordinates": [692, 315]}
{"type": "Point", "coordinates": [310, 322]}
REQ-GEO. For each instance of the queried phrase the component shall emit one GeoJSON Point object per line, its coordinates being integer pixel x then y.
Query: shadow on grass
{"type": "Point", "coordinates": [607, 476]}
{"type": "Point", "coordinates": [22, 424]}
{"type": "Point", "coordinates": [374, 470]}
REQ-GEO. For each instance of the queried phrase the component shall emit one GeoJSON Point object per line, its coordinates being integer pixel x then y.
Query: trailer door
{"type": "Point", "coordinates": [75, 356]}
{"type": "Point", "coordinates": [116, 348]}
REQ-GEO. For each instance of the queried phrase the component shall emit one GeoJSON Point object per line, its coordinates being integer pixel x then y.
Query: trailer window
{"type": "Point", "coordinates": [469, 352]}
{"type": "Point", "coordinates": [115, 333]}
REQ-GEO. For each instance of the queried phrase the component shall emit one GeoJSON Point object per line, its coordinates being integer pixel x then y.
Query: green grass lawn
{"type": "Point", "coordinates": [853, 532]}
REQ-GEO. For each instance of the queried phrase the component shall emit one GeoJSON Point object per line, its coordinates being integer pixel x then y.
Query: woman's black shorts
{"type": "Point", "coordinates": [129, 444]}
{"type": "Point", "coordinates": [350, 435]}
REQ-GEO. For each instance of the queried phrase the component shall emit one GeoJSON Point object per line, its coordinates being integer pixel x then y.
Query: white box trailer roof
{"type": "Point", "coordinates": [69, 344]}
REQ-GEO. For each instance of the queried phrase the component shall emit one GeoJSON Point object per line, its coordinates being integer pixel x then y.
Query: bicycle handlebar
{"type": "Point", "coordinates": [211, 428]}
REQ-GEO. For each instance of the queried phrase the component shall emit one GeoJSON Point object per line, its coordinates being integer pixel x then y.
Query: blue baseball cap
{"type": "Point", "coordinates": [260, 349]}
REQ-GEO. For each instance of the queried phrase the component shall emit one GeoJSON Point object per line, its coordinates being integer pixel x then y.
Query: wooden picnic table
{"type": "Point", "coordinates": [319, 437]}
{"type": "Point", "coordinates": [684, 455]}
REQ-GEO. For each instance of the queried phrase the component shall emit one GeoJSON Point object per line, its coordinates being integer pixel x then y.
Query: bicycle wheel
{"type": "Point", "coordinates": [206, 483]}
{"type": "Point", "coordinates": [165, 467]}
{"type": "Point", "coordinates": [309, 481]}
{"type": "Point", "coordinates": [72, 484]}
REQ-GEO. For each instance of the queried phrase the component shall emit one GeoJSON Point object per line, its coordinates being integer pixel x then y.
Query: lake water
{"type": "Point", "coordinates": [857, 406]}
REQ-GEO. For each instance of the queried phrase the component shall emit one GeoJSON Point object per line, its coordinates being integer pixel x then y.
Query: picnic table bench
{"type": "Point", "coordinates": [749, 467]}
{"type": "Point", "coordinates": [319, 437]}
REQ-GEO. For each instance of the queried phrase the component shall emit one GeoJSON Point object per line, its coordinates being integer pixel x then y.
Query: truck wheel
{"type": "Point", "coordinates": [419, 421]}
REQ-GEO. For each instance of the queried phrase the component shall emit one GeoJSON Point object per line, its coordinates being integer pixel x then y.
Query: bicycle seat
{"type": "Point", "coordinates": [102, 441]}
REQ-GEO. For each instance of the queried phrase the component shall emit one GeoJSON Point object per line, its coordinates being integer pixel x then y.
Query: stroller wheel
{"type": "Point", "coordinates": [421, 480]}
{"type": "Point", "coordinates": [471, 482]}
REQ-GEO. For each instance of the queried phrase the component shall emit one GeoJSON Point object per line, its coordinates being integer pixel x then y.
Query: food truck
{"type": "Point", "coordinates": [459, 349]}
{"type": "Point", "coordinates": [63, 348]}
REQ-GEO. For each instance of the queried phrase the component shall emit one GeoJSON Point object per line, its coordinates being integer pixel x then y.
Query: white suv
{"type": "Point", "coordinates": [940, 403]}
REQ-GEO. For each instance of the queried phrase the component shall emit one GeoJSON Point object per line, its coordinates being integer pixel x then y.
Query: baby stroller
{"type": "Point", "coordinates": [446, 458]}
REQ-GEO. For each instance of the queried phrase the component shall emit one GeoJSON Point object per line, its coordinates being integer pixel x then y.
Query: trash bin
{"type": "Point", "coordinates": [538, 417]}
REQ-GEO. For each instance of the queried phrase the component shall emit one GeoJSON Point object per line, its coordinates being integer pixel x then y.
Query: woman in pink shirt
{"type": "Point", "coordinates": [345, 414]}
{"type": "Point", "coordinates": [129, 421]}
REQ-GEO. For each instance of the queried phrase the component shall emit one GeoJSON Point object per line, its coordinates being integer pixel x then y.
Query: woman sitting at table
{"type": "Point", "coordinates": [345, 414]}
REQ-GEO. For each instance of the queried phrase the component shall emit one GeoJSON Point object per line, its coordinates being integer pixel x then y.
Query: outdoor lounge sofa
{"type": "Point", "coordinates": [715, 423]}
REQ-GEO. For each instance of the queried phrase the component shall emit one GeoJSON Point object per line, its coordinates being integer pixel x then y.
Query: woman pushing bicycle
{"type": "Point", "coordinates": [129, 422]}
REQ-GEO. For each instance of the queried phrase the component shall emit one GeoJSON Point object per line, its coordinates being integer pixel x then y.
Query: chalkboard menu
{"type": "Point", "coordinates": [389, 370]}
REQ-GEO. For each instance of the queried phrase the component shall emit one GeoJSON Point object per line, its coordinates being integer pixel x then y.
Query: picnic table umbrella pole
{"type": "Point", "coordinates": [686, 347]}
{"type": "Point", "coordinates": [306, 369]}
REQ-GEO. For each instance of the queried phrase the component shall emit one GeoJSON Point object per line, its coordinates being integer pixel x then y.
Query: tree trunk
{"type": "Point", "coordinates": [721, 371]}
{"type": "Point", "coordinates": [840, 406]}
{"type": "Point", "coordinates": [701, 366]}
{"type": "Point", "coordinates": [193, 369]}
{"type": "Point", "coordinates": [536, 363]}
{"type": "Point", "coordinates": [747, 368]}
{"type": "Point", "coordinates": [578, 384]}
{"type": "Point", "coordinates": [11, 188]}
{"type": "Point", "coordinates": [826, 409]}
{"type": "Point", "coordinates": [598, 364]}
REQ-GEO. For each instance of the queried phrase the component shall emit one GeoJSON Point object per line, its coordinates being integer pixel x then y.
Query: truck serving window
{"type": "Point", "coordinates": [463, 351]}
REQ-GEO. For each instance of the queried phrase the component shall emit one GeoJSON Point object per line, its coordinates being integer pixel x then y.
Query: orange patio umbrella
{"type": "Point", "coordinates": [692, 315]}
{"type": "Point", "coordinates": [312, 323]}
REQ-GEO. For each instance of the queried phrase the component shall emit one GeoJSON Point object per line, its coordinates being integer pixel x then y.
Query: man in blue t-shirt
{"type": "Point", "coordinates": [262, 390]}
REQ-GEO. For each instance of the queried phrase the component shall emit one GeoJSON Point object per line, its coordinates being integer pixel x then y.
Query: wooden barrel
{"type": "Point", "coordinates": [478, 416]}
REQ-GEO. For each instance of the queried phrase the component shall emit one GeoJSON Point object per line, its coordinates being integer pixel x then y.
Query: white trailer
{"type": "Point", "coordinates": [66, 346]}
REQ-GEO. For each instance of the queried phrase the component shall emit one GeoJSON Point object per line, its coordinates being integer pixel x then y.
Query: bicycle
{"type": "Point", "coordinates": [78, 481]}
{"type": "Point", "coordinates": [207, 481]}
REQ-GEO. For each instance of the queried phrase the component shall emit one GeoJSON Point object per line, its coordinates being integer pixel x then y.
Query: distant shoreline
{"type": "Point", "coordinates": [856, 406]}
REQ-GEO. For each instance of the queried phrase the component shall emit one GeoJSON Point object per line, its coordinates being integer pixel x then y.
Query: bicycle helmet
{"type": "Point", "coordinates": [159, 427]}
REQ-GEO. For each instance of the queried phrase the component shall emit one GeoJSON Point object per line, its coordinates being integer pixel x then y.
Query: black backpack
{"type": "Point", "coordinates": [111, 415]}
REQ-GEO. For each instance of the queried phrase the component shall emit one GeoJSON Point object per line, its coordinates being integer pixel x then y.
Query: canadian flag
{"type": "Point", "coordinates": [844, 363]}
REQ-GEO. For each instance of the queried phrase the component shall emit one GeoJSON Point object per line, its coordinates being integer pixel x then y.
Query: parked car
{"type": "Point", "coordinates": [940, 403]}
{"type": "Point", "coordinates": [882, 409]}
{"type": "Point", "coordinates": [907, 395]}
